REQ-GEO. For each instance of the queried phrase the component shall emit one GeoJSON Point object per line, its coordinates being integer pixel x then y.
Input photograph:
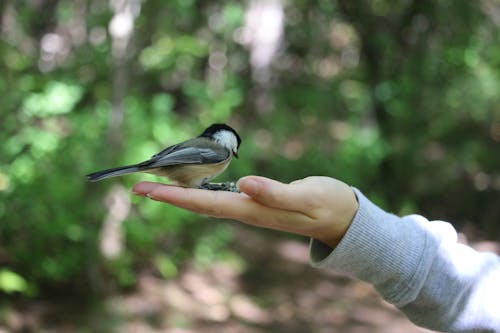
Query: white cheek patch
{"type": "Point", "coordinates": [226, 139]}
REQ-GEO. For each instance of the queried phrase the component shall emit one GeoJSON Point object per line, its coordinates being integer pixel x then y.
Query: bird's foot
{"type": "Point", "coordinates": [226, 186]}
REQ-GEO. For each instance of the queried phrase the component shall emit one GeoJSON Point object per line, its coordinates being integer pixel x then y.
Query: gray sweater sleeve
{"type": "Point", "coordinates": [418, 266]}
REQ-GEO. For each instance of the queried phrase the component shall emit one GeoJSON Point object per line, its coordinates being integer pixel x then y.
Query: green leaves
{"type": "Point", "coordinates": [11, 282]}
{"type": "Point", "coordinates": [56, 99]}
{"type": "Point", "coordinates": [167, 51]}
{"type": "Point", "coordinates": [393, 97]}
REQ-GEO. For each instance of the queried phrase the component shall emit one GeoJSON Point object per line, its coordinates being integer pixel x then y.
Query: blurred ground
{"type": "Point", "coordinates": [279, 292]}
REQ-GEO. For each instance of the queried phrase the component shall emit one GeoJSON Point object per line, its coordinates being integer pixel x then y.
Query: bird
{"type": "Point", "coordinates": [191, 163]}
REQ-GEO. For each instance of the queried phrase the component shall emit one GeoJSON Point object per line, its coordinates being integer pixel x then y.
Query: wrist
{"type": "Point", "coordinates": [334, 228]}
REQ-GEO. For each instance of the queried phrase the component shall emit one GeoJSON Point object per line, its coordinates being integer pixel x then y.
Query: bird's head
{"type": "Point", "coordinates": [224, 135]}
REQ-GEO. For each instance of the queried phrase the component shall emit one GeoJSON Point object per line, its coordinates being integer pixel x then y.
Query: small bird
{"type": "Point", "coordinates": [192, 163]}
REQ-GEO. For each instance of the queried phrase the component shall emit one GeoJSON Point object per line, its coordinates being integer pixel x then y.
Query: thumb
{"type": "Point", "coordinates": [273, 193]}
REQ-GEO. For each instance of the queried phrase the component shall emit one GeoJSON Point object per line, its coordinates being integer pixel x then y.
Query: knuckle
{"type": "Point", "coordinates": [202, 208]}
{"type": "Point", "coordinates": [321, 213]}
{"type": "Point", "coordinates": [213, 211]}
{"type": "Point", "coordinates": [272, 197]}
{"type": "Point", "coordinates": [254, 217]}
{"type": "Point", "coordinates": [248, 217]}
{"type": "Point", "coordinates": [212, 207]}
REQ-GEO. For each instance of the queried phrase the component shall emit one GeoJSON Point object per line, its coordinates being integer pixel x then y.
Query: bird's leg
{"type": "Point", "coordinates": [226, 186]}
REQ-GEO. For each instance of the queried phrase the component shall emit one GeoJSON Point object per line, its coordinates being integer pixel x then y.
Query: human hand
{"type": "Point", "coordinates": [317, 207]}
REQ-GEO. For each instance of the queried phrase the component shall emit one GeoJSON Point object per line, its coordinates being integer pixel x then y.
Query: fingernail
{"type": "Point", "coordinates": [152, 197]}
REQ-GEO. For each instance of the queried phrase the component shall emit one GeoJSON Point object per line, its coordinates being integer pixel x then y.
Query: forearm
{"type": "Point", "coordinates": [413, 263]}
{"type": "Point", "coordinates": [418, 266]}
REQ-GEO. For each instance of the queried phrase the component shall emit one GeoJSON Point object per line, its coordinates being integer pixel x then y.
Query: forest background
{"type": "Point", "coordinates": [399, 98]}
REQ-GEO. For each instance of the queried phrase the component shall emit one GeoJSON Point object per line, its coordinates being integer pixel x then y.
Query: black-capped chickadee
{"type": "Point", "coordinates": [192, 163]}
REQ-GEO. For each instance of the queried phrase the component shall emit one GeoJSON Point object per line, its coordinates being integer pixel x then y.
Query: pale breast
{"type": "Point", "coordinates": [191, 175]}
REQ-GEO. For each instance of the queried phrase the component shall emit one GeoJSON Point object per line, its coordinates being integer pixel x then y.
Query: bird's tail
{"type": "Point", "coordinates": [113, 172]}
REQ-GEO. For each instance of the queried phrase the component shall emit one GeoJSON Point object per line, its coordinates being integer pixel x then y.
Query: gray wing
{"type": "Point", "coordinates": [165, 151]}
{"type": "Point", "coordinates": [186, 155]}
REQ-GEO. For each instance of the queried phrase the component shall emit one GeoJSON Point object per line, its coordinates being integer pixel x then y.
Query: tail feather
{"type": "Point", "coordinates": [113, 172]}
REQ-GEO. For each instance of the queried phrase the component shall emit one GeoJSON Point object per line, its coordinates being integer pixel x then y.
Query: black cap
{"type": "Point", "coordinates": [214, 128]}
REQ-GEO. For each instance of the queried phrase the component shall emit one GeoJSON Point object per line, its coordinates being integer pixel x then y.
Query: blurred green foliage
{"type": "Point", "coordinates": [399, 98]}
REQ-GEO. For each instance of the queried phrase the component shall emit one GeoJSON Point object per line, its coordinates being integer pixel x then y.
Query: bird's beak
{"type": "Point", "coordinates": [235, 153]}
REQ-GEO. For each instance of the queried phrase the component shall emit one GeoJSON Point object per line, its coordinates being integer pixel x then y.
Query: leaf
{"type": "Point", "coordinates": [57, 98]}
{"type": "Point", "coordinates": [11, 282]}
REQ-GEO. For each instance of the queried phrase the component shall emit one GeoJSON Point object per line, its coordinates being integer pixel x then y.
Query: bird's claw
{"type": "Point", "coordinates": [226, 186]}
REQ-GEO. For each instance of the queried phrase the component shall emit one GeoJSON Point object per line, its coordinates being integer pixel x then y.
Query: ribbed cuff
{"type": "Point", "coordinates": [381, 249]}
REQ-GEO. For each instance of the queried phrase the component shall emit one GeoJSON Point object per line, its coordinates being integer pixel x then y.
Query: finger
{"type": "Point", "coordinates": [276, 194]}
{"type": "Point", "coordinates": [214, 203]}
{"type": "Point", "coordinates": [143, 188]}
{"type": "Point", "coordinates": [232, 205]}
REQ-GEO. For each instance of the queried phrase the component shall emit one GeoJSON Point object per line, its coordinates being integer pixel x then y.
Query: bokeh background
{"type": "Point", "coordinates": [397, 97]}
